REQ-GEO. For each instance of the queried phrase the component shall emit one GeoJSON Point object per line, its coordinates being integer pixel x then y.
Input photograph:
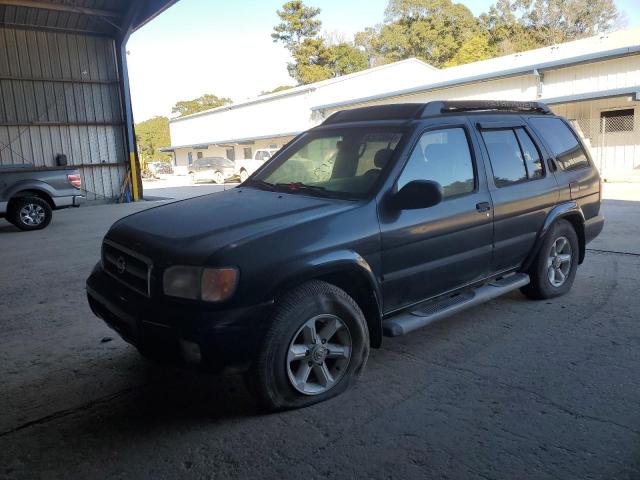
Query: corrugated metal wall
{"type": "Point", "coordinates": [60, 93]}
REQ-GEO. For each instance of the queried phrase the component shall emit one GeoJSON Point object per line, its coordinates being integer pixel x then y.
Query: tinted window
{"type": "Point", "coordinates": [532, 159]}
{"type": "Point", "coordinates": [506, 158]}
{"type": "Point", "coordinates": [562, 142]}
{"type": "Point", "coordinates": [331, 162]}
{"type": "Point", "coordinates": [442, 156]}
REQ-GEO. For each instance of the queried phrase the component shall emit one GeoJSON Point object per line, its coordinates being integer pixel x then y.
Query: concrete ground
{"type": "Point", "coordinates": [513, 389]}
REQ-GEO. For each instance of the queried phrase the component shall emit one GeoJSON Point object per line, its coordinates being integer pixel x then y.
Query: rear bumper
{"type": "Point", "coordinates": [593, 227]}
{"type": "Point", "coordinates": [184, 334]}
{"type": "Point", "coordinates": [68, 201]}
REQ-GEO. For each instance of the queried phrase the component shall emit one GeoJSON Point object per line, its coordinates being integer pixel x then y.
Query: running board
{"type": "Point", "coordinates": [406, 322]}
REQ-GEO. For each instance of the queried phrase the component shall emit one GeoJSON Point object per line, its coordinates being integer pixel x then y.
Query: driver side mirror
{"type": "Point", "coordinates": [418, 194]}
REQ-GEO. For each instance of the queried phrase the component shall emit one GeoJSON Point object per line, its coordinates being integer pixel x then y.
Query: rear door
{"type": "Point", "coordinates": [429, 251]}
{"type": "Point", "coordinates": [523, 188]}
{"type": "Point", "coordinates": [578, 178]}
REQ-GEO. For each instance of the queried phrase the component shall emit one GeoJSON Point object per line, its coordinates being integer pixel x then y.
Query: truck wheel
{"type": "Point", "coordinates": [554, 269]}
{"type": "Point", "coordinates": [317, 344]}
{"type": "Point", "coordinates": [243, 176]}
{"type": "Point", "coordinates": [192, 178]}
{"type": "Point", "coordinates": [29, 213]}
{"type": "Point", "coordinates": [218, 177]}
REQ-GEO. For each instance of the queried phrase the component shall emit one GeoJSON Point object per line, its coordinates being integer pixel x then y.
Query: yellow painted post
{"type": "Point", "coordinates": [134, 177]}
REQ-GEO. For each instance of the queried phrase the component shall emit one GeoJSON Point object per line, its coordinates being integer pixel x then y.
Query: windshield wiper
{"type": "Point", "coordinates": [260, 184]}
{"type": "Point", "coordinates": [297, 186]}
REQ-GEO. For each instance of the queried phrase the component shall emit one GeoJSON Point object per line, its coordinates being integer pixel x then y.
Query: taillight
{"type": "Point", "coordinates": [75, 180]}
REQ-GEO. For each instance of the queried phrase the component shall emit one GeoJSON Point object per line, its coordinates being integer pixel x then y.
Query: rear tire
{"type": "Point", "coordinates": [243, 176]}
{"type": "Point", "coordinates": [554, 269]}
{"type": "Point", "coordinates": [29, 213]}
{"type": "Point", "coordinates": [299, 364]}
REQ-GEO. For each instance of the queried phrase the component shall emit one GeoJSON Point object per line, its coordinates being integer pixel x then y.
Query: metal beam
{"type": "Point", "coordinates": [61, 7]}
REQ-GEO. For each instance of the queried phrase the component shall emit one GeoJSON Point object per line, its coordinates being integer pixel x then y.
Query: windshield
{"type": "Point", "coordinates": [338, 162]}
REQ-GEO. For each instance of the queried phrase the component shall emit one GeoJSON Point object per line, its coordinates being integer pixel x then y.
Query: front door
{"type": "Point", "coordinates": [428, 252]}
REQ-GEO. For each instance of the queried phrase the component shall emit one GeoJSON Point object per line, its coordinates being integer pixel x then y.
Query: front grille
{"type": "Point", "coordinates": [126, 266]}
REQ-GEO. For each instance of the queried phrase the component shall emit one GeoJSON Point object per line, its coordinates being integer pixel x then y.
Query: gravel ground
{"type": "Point", "coordinates": [512, 389]}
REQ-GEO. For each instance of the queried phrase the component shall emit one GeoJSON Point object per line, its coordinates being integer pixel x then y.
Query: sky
{"type": "Point", "coordinates": [224, 47]}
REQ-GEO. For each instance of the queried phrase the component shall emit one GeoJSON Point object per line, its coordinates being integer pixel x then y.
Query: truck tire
{"type": "Point", "coordinates": [554, 269]}
{"type": "Point", "coordinates": [243, 175]}
{"type": "Point", "coordinates": [316, 345]}
{"type": "Point", "coordinates": [29, 213]}
{"type": "Point", "coordinates": [218, 177]}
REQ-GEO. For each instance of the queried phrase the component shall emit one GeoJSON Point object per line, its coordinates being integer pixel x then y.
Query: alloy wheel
{"type": "Point", "coordinates": [32, 214]}
{"type": "Point", "coordinates": [559, 261]}
{"type": "Point", "coordinates": [319, 354]}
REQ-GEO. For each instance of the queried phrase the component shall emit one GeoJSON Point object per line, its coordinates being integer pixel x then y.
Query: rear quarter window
{"type": "Point", "coordinates": [561, 140]}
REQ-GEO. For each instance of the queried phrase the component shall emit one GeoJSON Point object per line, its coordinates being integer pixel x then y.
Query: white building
{"type": "Point", "coordinates": [594, 82]}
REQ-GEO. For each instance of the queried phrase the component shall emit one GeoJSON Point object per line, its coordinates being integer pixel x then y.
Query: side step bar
{"type": "Point", "coordinates": [406, 322]}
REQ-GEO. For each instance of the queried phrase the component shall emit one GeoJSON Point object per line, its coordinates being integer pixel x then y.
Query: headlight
{"type": "Point", "coordinates": [196, 283]}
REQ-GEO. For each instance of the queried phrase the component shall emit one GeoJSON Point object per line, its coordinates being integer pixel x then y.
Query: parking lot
{"type": "Point", "coordinates": [512, 389]}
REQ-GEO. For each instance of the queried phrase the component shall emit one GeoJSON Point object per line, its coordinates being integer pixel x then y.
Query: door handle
{"type": "Point", "coordinates": [483, 206]}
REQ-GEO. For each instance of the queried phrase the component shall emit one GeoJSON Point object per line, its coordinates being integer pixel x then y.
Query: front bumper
{"type": "Point", "coordinates": [185, 334]}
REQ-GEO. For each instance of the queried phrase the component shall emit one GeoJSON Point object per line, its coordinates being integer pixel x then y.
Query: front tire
{"type": "Point", "coordinates": [554, 269]}
{"type": "Point", "coordinates": [316, 345]}
{"type": "Point", "coordinates": [29, 213]}
{"type": "Point", "coordinates": [218, 177]}
{"type": "Point", "coordinates": [243, 176]}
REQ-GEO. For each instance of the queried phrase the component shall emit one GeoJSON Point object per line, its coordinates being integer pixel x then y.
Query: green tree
{"type": "Point", "coordinates": [314, 59]}
{"type": "Point", "coordinates": [151, 135]}
{"type": "Point", "coordinates": [473, 49]}
{"type": "Point", "coordinates": [297, 23]}
{"type": "Point", "coordinates": [518, 25]}
{"type": "Point", "coordinates": [432, 30]}
{"type": "Point", "coordinates": [204, 102]}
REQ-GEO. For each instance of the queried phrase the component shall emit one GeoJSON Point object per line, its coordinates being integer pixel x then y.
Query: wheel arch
{"type": "Point", "coordinates": [569, 211]}
{"type": "Point", "coordinates": [33, 192]}
{"type": "Point", "coordinates": [351, 274]}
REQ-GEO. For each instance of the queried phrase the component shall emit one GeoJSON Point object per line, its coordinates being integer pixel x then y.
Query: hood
{"type": "Point", "coordinates": [191, 230]}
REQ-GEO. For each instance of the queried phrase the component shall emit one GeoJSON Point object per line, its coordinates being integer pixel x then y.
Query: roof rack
{"type": "Point", "coordinates": [439, 107]}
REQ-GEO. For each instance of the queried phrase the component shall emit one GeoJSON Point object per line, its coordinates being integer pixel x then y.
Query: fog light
{"type": "Point", "coordinates": [190, 351]}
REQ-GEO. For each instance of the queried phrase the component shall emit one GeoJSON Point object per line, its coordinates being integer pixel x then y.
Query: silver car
{"type": "Point", "coordinates": [211, 169]}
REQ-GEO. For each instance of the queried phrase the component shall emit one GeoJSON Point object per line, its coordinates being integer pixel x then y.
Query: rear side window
{"type": "Point", "coordinates": [513, 155]}
{"type": "Point", "coordinates": [562, 142]}
{"type": "Point", "coordinates": [442, 156]}
{"type": "Point", "coordinates": [504, 153]}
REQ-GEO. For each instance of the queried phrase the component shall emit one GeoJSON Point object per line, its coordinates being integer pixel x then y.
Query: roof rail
{"type": "Point", "coordinates": [439, 107]}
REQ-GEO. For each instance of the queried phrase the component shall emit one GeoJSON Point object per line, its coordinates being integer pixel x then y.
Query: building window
{"type": "Point", "coordinates": [190, 158]}
{"type": "Point", "coordinates": [231, 153]}
{"type": "Point", "coordinates": [617, 121]}
{"type": "Point", "coordinates": [199, 155]}
{"type": "Point", "coordinates": [247, 152]}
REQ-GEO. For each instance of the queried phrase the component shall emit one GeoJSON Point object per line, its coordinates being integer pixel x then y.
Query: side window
{"type": "Point", "coordinates": [442, 156]}
{"type": "Point", "coordinates": [505, 156]}
{"type": "Point", "coordinates": [532, 159]}
{"type": "Point", "coordinates": [563, 143]}
{"type": "Point", "coordinates": [513, 155]}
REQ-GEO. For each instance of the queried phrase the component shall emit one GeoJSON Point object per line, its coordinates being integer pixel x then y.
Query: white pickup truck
{"type": "Point", "coordinates": [247, 166]}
